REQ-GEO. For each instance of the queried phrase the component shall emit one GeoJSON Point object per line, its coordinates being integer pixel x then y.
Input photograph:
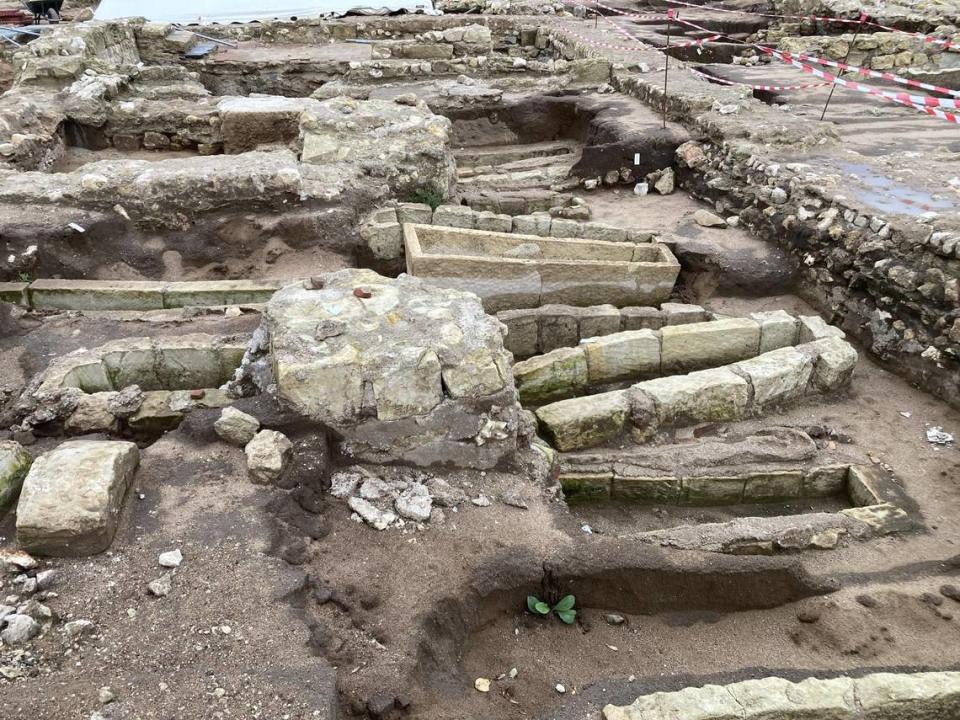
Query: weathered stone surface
{"type": "Point", "coordinates": [716, 395]}
{"type": "Point", "coordinates": [814, 327]}
{"type": "Point", "coordinates": [708, 344]}
{"type": "Point", "coordinates": [556, 374]}
{"type": "Point", "coordinates": [235, 426]}
{"type": "Point", "coordinates": [409, 146]}
{"type": "Point", "coordinates": [835, 363]}
{"type": "Point", "coordinates": [585, 421]}
{"type": "Point", "coordinates": [776, 376]}
{"type": "Point", "coordinates": [629, 355]}
{"type": "Point", "coordinates": [777, 329]}
{"type": "Point", "coordinates": [268, 455]}
{"type": "Point", "coordinates": [92, 415]}
{"type": "Point", "coordinates": [399, 369]}
{"type": "Point", "coordinates": [72, 497]}
{"type": "Point", "coordinates": [880, 696]}
{"type": "Point", "coordinates": [14, 464]}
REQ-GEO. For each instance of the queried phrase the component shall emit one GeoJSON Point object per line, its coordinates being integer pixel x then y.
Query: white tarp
{"type": "Point", "coordinates": [227, 11]}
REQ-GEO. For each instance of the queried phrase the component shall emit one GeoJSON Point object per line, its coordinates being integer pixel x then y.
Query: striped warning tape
{"type": "Point", "coordinates": [944, 42]}
{"type": "Point", "coordinates": [899, 98]}
{"type": "Point", "coordinates": [625, 48]}
{"type": "Point", "coordinates": [594, 4]}
{"type": "Point", "coordinates": [930, 106]}
{"type": "Point", "coordinates": [878, 74]}
{"type": "Point", "coordinates": [905, 98]}
{"type": "Point", "coordinates": [767, 88]}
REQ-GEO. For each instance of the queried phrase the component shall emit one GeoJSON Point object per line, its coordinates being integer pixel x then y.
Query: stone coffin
{"type": "Point", "coordinates": [510, 270]}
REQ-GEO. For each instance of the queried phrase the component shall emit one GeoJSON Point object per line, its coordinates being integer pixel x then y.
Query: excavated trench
{"type": "Point", "coordinates": [488, 622]}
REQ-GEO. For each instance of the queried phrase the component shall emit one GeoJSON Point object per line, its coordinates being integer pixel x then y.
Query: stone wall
{"type": "Point", "coordinates": [532, 331]}
{"type": "Point", "coordinates": [723, 394]}
{"type": "Point", "coordinates": [875, 50]}
{"type": "Point", "coordinates": [881, 696]}
{"type": "Point", "coordinates": [646, 353]}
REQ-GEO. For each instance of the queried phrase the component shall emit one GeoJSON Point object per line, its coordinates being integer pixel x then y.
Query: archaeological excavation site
{"type": "Point", "coordinates": [480, 360]}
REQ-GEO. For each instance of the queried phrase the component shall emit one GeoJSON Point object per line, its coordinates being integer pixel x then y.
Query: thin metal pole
{"type": "Point", "coordinates": [10, 40]}
{"type": "Point", "coordinates": [863, 19]}
{"type": "Point", "coordinates": [596, 14]}
{"type": "Point", "coordinates": [666, 64]}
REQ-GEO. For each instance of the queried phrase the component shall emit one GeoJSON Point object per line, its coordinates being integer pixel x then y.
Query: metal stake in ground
{"type": "Point", "coordinates": [671, 14]}
{"type": "Point", "coordinates": [863, 18]}
{"type": "Point", "coordinates": [596, 14]}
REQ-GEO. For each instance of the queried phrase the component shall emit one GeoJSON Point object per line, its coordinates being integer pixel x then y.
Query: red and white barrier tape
{"type": "Point", "coordinates": [944, 42]}
{"type": "Point", "coordinates": [767, 88]}
{"type": "Point", "coordinates": [625, 48]}
{"type": "Point", "coordinates": [880, 75]}
{"type": "Point", "coordinates": [899, 98]}
{"type": "Point", "coordinates": [594, 5]}
{"type": "Point", "coordinates": [904, 98]}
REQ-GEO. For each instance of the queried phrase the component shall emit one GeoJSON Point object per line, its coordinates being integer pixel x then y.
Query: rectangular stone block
{"type": "Point", "coordinates": [773, 486]}
{"type": "Point", "coordinates": [682, 313]}
{"type": "Point", "coordinates": [825, 481]}
{"type": "Point", "coordinates": [708, 344]}
{"type": "Point", "coordinates": [559, 327]}
{"type": "Point", "coordinates": [584, 421]}
{"type": "Point", "coordinates": [535, 224]}
{"type": "Point", "coordinates": [646, 489]}
{"type": "Point", "coordinates": [777, 329]}
{"type": "Point", "coordinates": [712, 491]}
{"type": "Point", "coordinates": [776, 376]}
{"type": "Point", "coordinates": [717, 395]}
{"type": "Point", "coordinates": [640, 318]}
{"type": "Point", "coordinates": [835, 362]}
{"type": "Point", "coordinates": [564, 228]}
{"type": "Point", "coordinates": [14, 292]}
{"type": "Point", "coordinates": [385, 240]}
{"type": "Point", "coordinates": [96, 294]}
{"type": "Point", "coordinates": [598, 320]}
{"type": "Point", "coordinates": [218, 292]}
{"type": "Point", "coordinates": [249, 122]}
{"type": "Point", "coordinates": [863, 485]}
{"type": "Point", "coordinates": [629, 355]}
{"type": "Point", "coordinates": [919, 696]}
{"type": "Point", "coordinates": [586, 486]}
{"type": "Point", "coordinates": [814, 327]}
{"type": "Point", "coordinates": [73, 495]}
{"type": "Point", "coordinates": [494, 222]}
{"type": "Point", "coordinates": [523, 331]}
{"type": "Point", "coordinates": [600, 231]}
{"type": "Point", "coordinates": [557, 374]}
{"type": "Point", "coordinates": [455, 216]}
{"type": "Point", "coordinates": [418, 213]}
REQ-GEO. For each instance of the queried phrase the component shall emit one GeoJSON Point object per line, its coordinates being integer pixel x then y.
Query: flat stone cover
{"type": "Point", "coordinates": [71, 498]}
{"type": "Point", "coordinates": [400, 369]}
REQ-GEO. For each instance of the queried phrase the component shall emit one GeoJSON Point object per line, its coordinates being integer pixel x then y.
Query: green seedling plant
{"type": "Point", "coordinates": [563, 609]}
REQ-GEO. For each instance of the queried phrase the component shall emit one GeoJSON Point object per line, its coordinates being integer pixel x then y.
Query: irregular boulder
{"type": "Point", "coordinates": [235, 426]}
{"type": "Point", "coordinates": [72, 497]}
{"type": "Point", "coordinates": [268, 455]}
{"type": "Point", "coordinates": [400, 370]}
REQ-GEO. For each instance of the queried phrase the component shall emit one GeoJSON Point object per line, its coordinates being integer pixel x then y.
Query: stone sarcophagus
{"type": "Point", "coordinates": [508, 270]}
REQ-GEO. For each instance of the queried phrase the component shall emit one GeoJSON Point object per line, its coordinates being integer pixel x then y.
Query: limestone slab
{"type": "Point", "coordinates": [717, 395]}
{"type": "Point", "coordinates": [708, 344]}
{"type": "Point", "coordinates": [776, 376]}
{"type": "Point", "coordinates": [72, 497]}
{"type": "Point", "coordinates": [585, 421]}
{"type": "Point", "coordinates": [629, 355]}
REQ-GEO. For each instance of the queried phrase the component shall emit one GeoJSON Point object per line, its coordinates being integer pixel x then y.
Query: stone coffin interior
{"type": "Point", "coordinates": [508, 270]}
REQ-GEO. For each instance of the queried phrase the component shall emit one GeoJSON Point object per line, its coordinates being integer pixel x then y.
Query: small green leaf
{"type": "Point", "coordinates": [568, 616]}
{"type": "Point", "coordinates": [532, 603]}
{"type": "Point", "coordinates": [542, 608]}
{"type": "Point", "coordinates": [566, 603]}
